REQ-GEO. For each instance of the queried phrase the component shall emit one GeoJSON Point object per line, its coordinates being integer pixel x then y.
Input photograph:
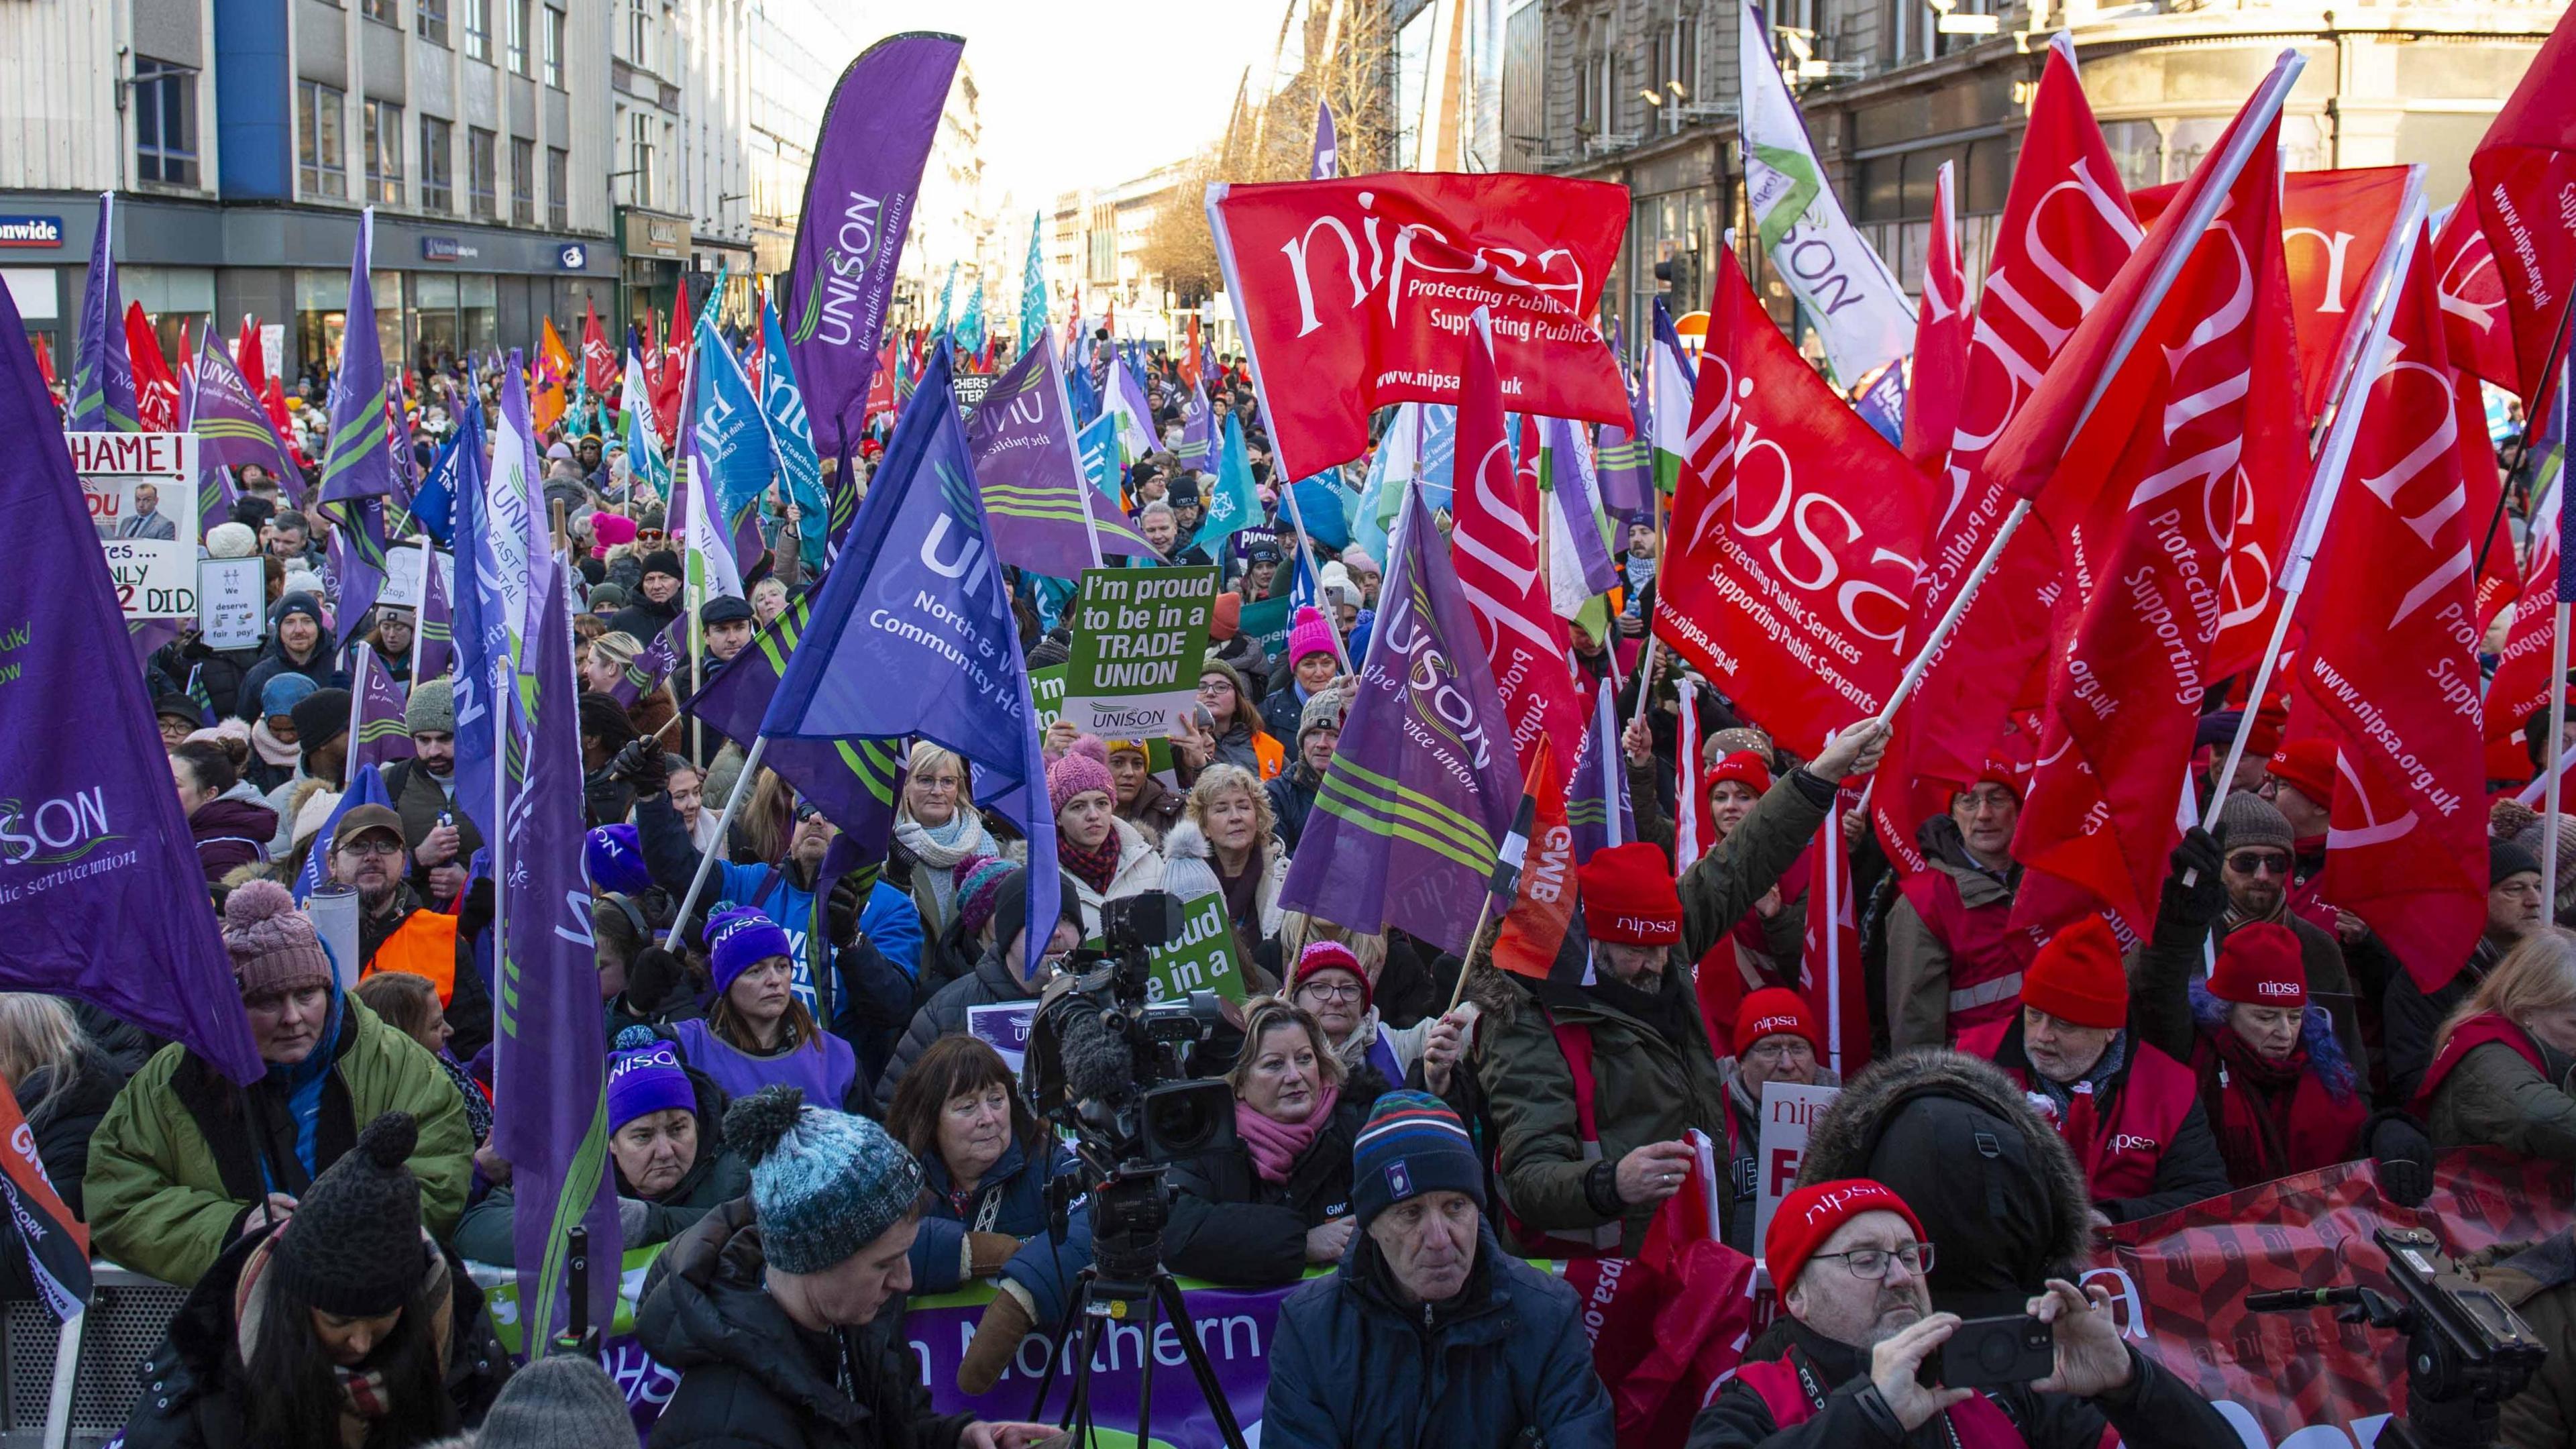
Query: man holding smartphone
{"type": "Point", "coordinates": [1863, 1364]}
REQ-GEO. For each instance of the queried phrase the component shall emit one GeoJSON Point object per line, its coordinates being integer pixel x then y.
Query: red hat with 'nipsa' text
{"type": "Point", "coordinates": [1774, 1011]}
{"type": "Point", "coordinates": [1628, 896]}
{"type": "Point", "coordinates": [1743, 767]}
{"type": "Point", "coordinates": [2260, 965]}
{"type": "Point", "coordinates": [1807, 1219]}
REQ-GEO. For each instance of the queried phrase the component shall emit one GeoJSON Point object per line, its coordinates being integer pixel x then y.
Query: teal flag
{"type": "Point", "coordinates": [791, 443]}
{"type": "Point", "coordinates": [1235, 504]}
{"type": "Point", "coordinates": [1033, 290]}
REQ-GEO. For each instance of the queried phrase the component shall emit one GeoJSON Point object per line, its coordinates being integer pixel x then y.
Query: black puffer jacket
{"type": "Point", "coordinates": [195, 1394]}
{"type": "Point", "coordinates": [63, 1108]}
{"type": "Point", "coordinates": [944, 1013]}
{"type": "Point", "coordinates": [750, 1378]}
{"type": "Point", "coordinates": [1230, 1226]}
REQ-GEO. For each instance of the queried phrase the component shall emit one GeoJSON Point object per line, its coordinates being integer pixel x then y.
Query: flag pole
{"type": "Point", "coordinates": [1073, 443]}
{"type": "Point", "coordinates": [2332, 462]}
{"type": "Point", "coordinates": [420, 609]}
{"type": "Point", "coordinates": [1833, 939]}
{"type": "Point", "coordinates": [1306, 548]}
{"type": "Point", "coordinates": [707, 858]}
{"type": "Point", "coordinates": [2557, 682]}
{"type": "Point", "coordinates": [2260, 111]}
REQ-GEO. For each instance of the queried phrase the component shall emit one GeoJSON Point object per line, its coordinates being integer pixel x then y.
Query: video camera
{"type": "Point", "coordinates": [2466, 1349]}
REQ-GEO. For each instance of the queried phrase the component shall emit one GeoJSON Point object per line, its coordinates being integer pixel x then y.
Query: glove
{"type": "Point", "coordinates": [651, 978]}
{"type": "Point", "coordinates": [987, 1252]}
{"type": "Point", "coordinates": [2188, 911]}
{"type": "Point", "coordinates": [476, 912]}
{"type": "Point", "coordinates": [1006, 1321]}
{"type": "Point", "coordinates": [2403, 1156]}
{"type": "Point", "coordinates": [841, 910]}
{"type": "Point", "coordinates": [640, 765]}
{"type": "Point", "coordinates": [632, 1215]}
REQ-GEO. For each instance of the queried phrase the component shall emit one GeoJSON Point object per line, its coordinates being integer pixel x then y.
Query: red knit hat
{"type": "Point", "coordinates": [1774, 1011]}
{"type": "Point", "coordinates": [1328, 956]}
{"type": "Point", "coordinates": [1743, 767]}
{"type": "Point", "coordinates": [2260, 965]}
{"type": "Point", "coordinates": [2310, 765]}
{"type": "Point", "coordinates": [2077, 977]}
{"type": "Point", "coordinates": [2008, 763]}
{"type": "Point", "coordinates": [1628, 896]}
{"type": "Point", "coordinates": [1807, 1218]}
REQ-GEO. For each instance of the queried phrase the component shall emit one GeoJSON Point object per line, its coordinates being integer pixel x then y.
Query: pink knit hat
{"type": "Point", "coordinates": [272, 943]}
{"type": "Point", "coordinates": [1084, 766]}
{"type": "Point", "coordinates": [1308, 635]}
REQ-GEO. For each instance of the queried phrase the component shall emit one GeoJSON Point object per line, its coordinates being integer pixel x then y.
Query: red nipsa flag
{"type": "Point", "coordinates": [1359, 289]}
{"type": "Point", "coordinates": [1795, 537]}
{"type": "Point", "coordinates": [599, 371]}
{"type": "Point", "coordinates": [2520, 177]}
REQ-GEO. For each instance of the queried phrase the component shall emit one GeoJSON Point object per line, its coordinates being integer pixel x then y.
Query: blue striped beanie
{"type": "Point", "coordinates": [1412, 1144]}
{"type": "Point", "coordinates": [823, 1184]}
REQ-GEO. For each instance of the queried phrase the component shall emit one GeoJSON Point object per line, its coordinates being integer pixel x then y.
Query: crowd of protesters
{"type": "Point", "coordinates": [799, 1116]}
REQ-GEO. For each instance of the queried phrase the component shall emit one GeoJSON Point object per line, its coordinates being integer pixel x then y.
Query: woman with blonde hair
{"type": "Point", "coordinates": [935, 826]}
{"type": "Point", "coordinates": [1224, 845]}
{"type": "Point", "coordinates": [605, 668]}
{"type": "Point", "coordinates": [62, 1081]}
{"type": "Point", "coordinates": [1261, 1210]}
{"type": "Point", "coordinates": [2500, 1063]}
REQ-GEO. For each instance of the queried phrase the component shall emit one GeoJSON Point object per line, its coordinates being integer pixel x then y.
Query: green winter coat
{"type": "Point", "coordinates": [2493, 1098]}
{"type": "Point", "coordinates": [160, 1203]}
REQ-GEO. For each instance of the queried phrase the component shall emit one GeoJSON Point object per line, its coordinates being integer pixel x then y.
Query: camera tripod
{"type": "Point", "coordinates": [1128, 1213]}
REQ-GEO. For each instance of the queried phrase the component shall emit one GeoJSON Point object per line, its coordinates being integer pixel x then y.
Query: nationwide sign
{"type": "Point", "coordinates": [31, 231]}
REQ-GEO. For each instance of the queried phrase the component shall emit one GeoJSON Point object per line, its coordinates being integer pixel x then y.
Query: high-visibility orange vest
{"type": "Point", "coordinates": [423, 945]}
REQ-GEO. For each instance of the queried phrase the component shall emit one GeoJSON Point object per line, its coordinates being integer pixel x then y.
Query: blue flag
{"type": "Point", "coordinates": [970, 328]}
{"type": "Point", "coordinates": [1234, 503]}
{"type": "Point", "coordinates": [918, 596]}
{"type": "Point", "coordinates": [729, 438]}
{"type": "Point", "coordinates": [855, 783]}
{"type": "Point", "coordinates": [1080, 394]}
{"type": "Point", "coordinates": [366, 787]}
{"type": "Point", "coordinates": [550, 1058]}
{"type": "Point", "coordinates": [1033, 290]}
{"type": "Point", "coordinates": [359, 460]}
{"type": "Point", "coordinates": [102, 374]}
{"type": "Point", "coordinates": [433, 505]}
{"type": "Point", "coordinates": [791, 442]}
{"type": "Point", "coordinates": [101, 895]}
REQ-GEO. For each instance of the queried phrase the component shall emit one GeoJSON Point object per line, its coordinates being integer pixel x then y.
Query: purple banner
{"type": "Point", "coordinates": [376, 736]}
{"type": "Point", "coordinates": [1021, 437]}
{"type": "Point", "coordinates": [101, 896]}
{"type": "Point", "coordinates": [868, 157]}
{"type": "Point", "coordinates": [1423, 785]}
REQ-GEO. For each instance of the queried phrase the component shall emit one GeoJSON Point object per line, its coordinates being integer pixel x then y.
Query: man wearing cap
{"type": "Point", "coordinates": [2255, 854]}
{"type": "Point", "coordinates": [728, 623]}
{"type": "Point", "coordinates": [2129, 1112]}
{"type": "Point", "coordinates": [1850, 1370]}
{"type": "Point", "coordinates": [397, 933]}
{"type": "Point", "coordinates": [1776, 1040]}
{"type": "Point", "coordinates": [2412, 1015]}
{"type": "Point", "coordinates": [1428, 1332]}
{"type": "Point", "coordinates": [1292, 791]}
{"type": "Point", "coordinates": [1188, 512]}
{"type": "Point", "coordinates": [441, 837]}
{"type": "Point", "coordinates": [1954, 961]}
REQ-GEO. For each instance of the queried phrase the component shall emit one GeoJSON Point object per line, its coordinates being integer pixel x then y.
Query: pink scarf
{"type": "Point", "coordinates": [1275, 1146]}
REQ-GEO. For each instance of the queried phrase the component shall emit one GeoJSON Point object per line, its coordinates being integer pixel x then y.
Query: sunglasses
{"type": "Point", "coordinates": [2259, 862]}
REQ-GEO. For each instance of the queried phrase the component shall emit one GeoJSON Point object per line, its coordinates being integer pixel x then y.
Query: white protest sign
{"type": "Point", "coordinates": [402, 576]}
{"type": "Point", "coordinates": [1004, 1027]}
{"type": "Point", "coordinates": [142, 494]}
{"type": "Point", "coordinates": [232, 610]}
{"type": "Point", "coordinates": [1787, 1112]}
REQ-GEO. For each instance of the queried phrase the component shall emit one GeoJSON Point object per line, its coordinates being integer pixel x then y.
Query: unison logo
{"type": "Point", "coordinates": [51, 832]}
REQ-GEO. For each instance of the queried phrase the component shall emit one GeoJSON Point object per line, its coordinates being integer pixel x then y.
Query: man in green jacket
{"type": "Point", "coordinates": [1627, 1049]}
{"type": "Point", "coordinates": [184, 1158]}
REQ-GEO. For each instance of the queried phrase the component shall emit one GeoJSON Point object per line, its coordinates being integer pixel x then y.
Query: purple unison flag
{"type": "Point", "coordinates": [1031, 475]}
{"type": "Point", "coordinates": [376, 734]}
{"type": "Point", "coordinates": [434, 631]}
{"type": "Point", "coordinates": [232, 429]}
{"type": "Point", "coordinates": [1626, 457]}
{"type": "Point", "coordinates": [358, 462]}
{"type": "Point", "coordinates": [1199, 443]}
{"type": "Point", "coordinates": [102, 374]}
{"type": "Point", "coordinates": [918, 597]}
{"type": "Point", "coordinates": [551, 1059]}
{"type": "Point", "coordinates": [855, 783]}
{"type": "Point", "coordinates": [1328, 160]}
{"type": "Point", "coordinates": [355, 560]}
{"type": "Point", "coordinates": [868, 156]}
{"type": "Point", "coordinates": [1597, 807]}
{"type": "Point", "coordinates": [101, 896]}
{"type": "Point", "coordinates": [652, 664]}
{"type": "Point", "coordinates": [1423, 786]}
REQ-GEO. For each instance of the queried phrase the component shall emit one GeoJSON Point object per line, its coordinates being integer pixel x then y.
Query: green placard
{"type": "Point", "coordinates": [1266, 623]}
{"type": "Point", "coordinates": [1138, 638]}
{"type": "Point", "coordinates": [1203, 959]}
{"type": "Point", "coordinates": [1046, 691]}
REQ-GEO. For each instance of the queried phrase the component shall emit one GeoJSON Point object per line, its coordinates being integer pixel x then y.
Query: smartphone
{"type": "Point", "coordinates": [1990, 1352]}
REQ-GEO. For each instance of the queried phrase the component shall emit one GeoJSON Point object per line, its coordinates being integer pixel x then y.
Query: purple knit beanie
{"type": "Point", "coordinates": [978, 878]}
{"type": "Point", "coordinates": [738, 940]}
{"type": "Point", "coordinates": [646, 1076]}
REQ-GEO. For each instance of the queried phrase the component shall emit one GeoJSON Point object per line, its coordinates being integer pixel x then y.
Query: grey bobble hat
{"type": "Point", "coordinates": [2246, 818]}
{"type": "Point", "coordinates": [560, 1402]}
{"type": "Point", "coordinates": [431, 708]}
{"type": "Point", "coordinates": [823, 1184]}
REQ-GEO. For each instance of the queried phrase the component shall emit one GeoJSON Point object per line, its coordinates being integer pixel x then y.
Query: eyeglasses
{"type": "Point", "coordinates": [1772, 1051]}
{"type": "Point", "coordinates": [1213, 688]}
{"type": "Point", "coordinates": [2258, 862]}
{"type": "Point", "coordinates": [372, 845]}
{"type": "Point", "coordinates": [1332, 990]}
{"type": "Point", "coordinates": [1871, 1263]}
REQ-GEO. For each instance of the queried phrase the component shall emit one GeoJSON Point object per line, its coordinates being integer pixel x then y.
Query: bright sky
{"type": "Point", "coordinates": [1094, 92]}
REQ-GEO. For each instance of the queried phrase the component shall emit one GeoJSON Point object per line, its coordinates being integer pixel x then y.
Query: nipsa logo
{"type": "Point", "coordinates": [56, 831]}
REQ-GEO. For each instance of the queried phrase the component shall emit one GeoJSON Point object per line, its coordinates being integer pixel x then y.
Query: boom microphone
{"type": "Point", "coordinates": [1097, 1061]}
